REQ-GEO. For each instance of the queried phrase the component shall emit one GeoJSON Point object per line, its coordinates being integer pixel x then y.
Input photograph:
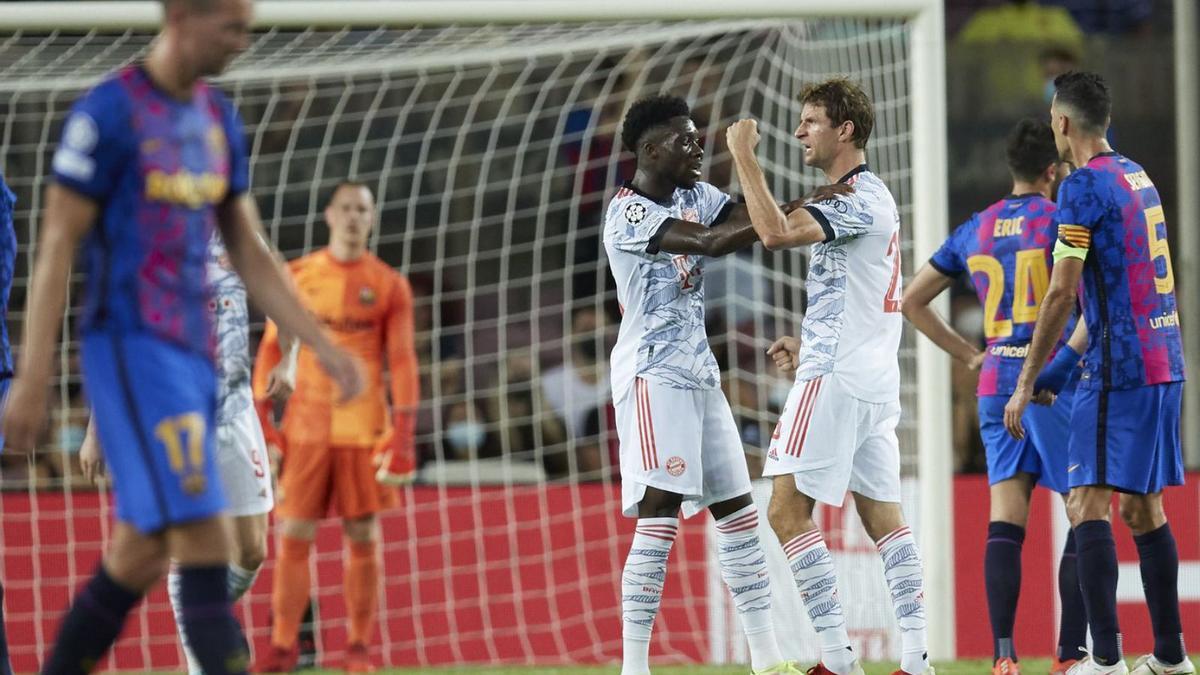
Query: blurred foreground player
{"type": "Point", "coordinates": [1006, 251]}
{"type": "Point", "coordinates": [241, 453]}
{"type": "Point", "coordinates": [151, 161]}
{"type": "Point", "coordinates": [333, 454]}
{"type": "Point", "coordinates": [8, 258]}
{"type": "Point", "coordinates": [837, 430]}
{"type": "Point", "coordinates": [679, 443]}
{"type": "Point", "coordinates": [1112, 237]}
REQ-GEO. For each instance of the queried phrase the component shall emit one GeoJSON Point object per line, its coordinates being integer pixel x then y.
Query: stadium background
{"type": "Point", "coordinates": [510, 552]}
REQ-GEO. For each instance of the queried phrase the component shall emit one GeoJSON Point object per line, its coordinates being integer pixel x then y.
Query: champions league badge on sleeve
{"type": "Point", "coordinates": [635, 213]}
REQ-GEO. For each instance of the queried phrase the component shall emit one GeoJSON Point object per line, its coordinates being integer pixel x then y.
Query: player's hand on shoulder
{"type": "Point", "coordinates": [24, 414]}
{"type": "Point", "coordinates": [742, 135]}
{"type": "Point", "coordinates": [91, 460]}
{"type": "Point", "coordinates": [786, 353]}
{"type": "Point", "coordinates": [825, 192]}
{"type": "Point", "coordinates": [344, 369]}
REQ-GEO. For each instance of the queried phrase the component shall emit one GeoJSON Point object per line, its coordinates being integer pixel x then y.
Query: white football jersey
{"type": "Point", "coordinates": [231, 320]}
{"type": "Point", "coordinates": [662, 337]}
{"type": "Point", "coordinates": [853, 322]}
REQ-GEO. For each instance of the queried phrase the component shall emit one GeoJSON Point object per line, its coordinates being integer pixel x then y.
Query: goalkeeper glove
{"type": "Point", "coordinates": [397, 456]}
{"type": "Point", "coordinates": [1060, 369]}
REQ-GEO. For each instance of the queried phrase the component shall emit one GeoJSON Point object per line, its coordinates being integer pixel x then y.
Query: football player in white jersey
{"type": "Point", "coordinates": [679, 444]}
{"type": "Point", "coordinates": [241, 450]}
{"type": "Point", "coordinates": [837, 431]}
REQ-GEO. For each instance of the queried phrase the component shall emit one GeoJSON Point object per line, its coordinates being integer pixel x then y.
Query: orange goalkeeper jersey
{"type": "Point", "coordinates": [367, 308]}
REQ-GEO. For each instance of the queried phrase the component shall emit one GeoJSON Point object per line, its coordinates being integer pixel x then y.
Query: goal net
{"type": "Point", "coordinates": [492, 150]}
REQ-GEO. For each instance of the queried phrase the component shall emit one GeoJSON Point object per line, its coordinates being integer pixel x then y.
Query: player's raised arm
{"type": "Point", "coordinates": [69, 216]}
{"type": "Point", "coordinates": [929, 283]}
{"type": "Point", "coordinates": [775, 229]}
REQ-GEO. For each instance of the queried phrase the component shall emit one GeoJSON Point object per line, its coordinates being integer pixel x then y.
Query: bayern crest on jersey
{"type": "Point", "coordinates": [690, 214]}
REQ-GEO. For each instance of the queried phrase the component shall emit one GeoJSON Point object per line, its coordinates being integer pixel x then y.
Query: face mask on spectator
{"type": "Point", "coordinates": [466, 435]}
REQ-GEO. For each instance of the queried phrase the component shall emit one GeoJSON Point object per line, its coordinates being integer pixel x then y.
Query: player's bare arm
{"type": "Point", "coordinates": [1056, 309]}
{"type": "Point", "coordinates": [91, 460]}
{"type": "Point", "coordinates": [281, 381]}
{"type": "Point", "coordinates": [924, 287]}
{"type": "Point", "coordinates": [68, 217]}
{"type": "Point", "coordinates": [273, 294]}
{"type": "Point", "coordinates": [737, 232]}
{"type": "Point", "coordinates": [688, 238]}
{"type": "Point", "coordinates": [775, 229]}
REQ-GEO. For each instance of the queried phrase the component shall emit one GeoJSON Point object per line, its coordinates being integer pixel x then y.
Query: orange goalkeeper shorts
{"type": "Point", "coordinates": [315, 477]}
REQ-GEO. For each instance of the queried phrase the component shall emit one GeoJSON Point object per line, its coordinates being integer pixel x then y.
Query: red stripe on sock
{"type": "Point", "coordinates": [892, 536]}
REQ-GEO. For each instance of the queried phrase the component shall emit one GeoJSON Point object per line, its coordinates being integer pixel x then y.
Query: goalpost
{"type": "Point", "coordinates": [487, 132]}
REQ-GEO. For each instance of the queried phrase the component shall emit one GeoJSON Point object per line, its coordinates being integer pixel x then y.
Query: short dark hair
{"type": "Point", "coordinates": [1030, 149]}
{"type": "Point", "coordinates": [1087, 94]}
{"type": "Point", "coordinates": [844, 101]}
{"type": "Point", "coordinates": [348, 183]}
{"type": "Point", "coordinates": [648, 113]}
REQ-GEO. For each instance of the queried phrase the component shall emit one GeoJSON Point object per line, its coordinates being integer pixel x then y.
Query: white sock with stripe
{"type": "Point", "coordinates": [641, 589]}
{"type": "Point", "coordinates": [173, 592]}
{"type": "Point", "coordinates": [240, 581]}
{"type": "Point", "coordinates": [744, 569]}
{"type": "Point", "coordinates": [816, 579]}
{"type": "Point", "coordinates": [905, 580]}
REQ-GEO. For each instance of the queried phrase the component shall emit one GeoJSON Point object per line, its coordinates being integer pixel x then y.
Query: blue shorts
{"type": "Point", "coordinates": [1127, 439]}
{"type": "Point", "coordinates": [154, 407]}
{"type": "Point", "coordinates": [1042, 453]}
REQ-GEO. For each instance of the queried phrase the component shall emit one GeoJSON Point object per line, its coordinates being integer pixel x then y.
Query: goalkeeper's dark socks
{"type": "Point", "coordinates": [1002, 580]}
{"type": "Point", "coordinates": [1072, 627]}
{"type": "Point", "coordinates": [214, 635]}
{"type": "Point", "coordinates": [1098, 579]}
{"type": "Point", "coordinates": [5, 666]}
{"type": "Point", "coordinates": [91, 625]}
{"type": "Point", "coordinates": [1160, 581]}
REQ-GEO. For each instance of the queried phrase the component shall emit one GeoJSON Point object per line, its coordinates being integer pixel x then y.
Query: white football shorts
{"type": "Point", "coordinates": [243, 464]}
{"type": "Point", "coordinates": [832, 442]}
{"type": "Point", "coordinates": [683, 441]}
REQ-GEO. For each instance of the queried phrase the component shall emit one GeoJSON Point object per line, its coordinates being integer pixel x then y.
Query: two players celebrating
{"type": "Point", "coordinates": [679, 443]}
{"type": "Point", "coordinates": [837, 429]}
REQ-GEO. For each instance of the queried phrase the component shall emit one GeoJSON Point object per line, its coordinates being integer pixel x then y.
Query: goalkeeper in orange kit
{"type": "Point", "coordinates": [348, 455]}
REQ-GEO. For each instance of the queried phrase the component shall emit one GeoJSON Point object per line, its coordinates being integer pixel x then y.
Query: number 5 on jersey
{"type": "Point", "coordinates": [1032, 280]}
